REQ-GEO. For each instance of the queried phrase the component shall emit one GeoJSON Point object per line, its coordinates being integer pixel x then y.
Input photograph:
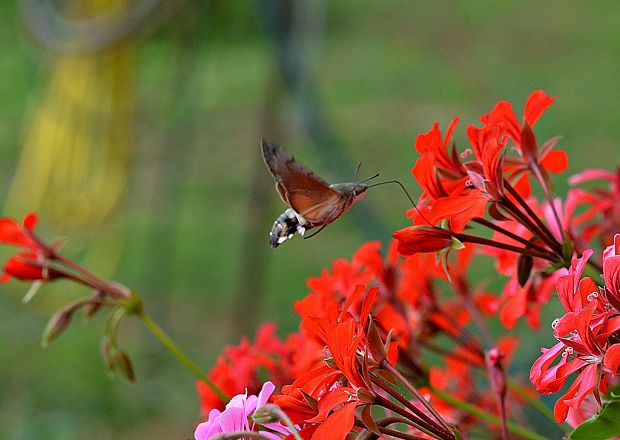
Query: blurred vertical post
{"type": "Point", "coordinates": [250, 290]}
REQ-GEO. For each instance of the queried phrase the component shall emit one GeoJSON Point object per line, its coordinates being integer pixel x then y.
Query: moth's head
{"type": "Point", "coordinates": [359, 190]}
{"type": "Point", "coordinates": [352, 191]}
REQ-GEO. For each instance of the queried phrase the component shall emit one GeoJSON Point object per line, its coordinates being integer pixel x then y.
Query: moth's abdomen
{"type": "Point", "coordinates": [284, 228]}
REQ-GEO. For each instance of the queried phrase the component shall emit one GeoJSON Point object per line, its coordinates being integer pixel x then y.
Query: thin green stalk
{"type": "Point", "coordinates": [167, 342]}
{"type": "Point", "coordinates": [286, 419]}
{"type": "Point", "coordinates": [487, 416]}
{"type": "Point", "coordinates": [520, 391]}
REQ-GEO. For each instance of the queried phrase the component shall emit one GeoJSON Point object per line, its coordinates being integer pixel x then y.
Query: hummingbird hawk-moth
{"type": "Point", "coordinates": [312, 201]}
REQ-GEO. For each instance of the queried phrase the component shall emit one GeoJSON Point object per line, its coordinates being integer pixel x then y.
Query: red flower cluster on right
{"type": "Point", "coordinates": [398, 345]}
{"type": "Point", "coordinates": [587, 335]}
{"type": "Point", "coordinates": [366, 320]}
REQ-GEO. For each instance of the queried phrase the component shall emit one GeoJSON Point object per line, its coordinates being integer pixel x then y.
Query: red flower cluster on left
{"type": "Point", "coordinates": [30, 263]}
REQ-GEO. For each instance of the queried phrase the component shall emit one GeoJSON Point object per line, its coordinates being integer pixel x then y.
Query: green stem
{"type": "Point", "coordinates": [486, 416]}
{"type": "Point", "coordinates": [520, 391]}
{"type": "Point", "coordinates": [167, 342]}
{"type": "Point", "coordinates": [286, 419]}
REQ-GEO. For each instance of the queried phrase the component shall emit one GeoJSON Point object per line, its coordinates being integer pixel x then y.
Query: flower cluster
{"type": "Point", "coordinates": [588, 335]}
{"type": "Point", "coordinates": [369, 326]}
{"type": "Point", "coordinates": [398, 344]}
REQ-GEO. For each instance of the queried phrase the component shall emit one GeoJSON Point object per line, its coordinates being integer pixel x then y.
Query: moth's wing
{"type": "Point", "coordinates": [308, 194]}
{"type": "Point", "coordinates": [313, 210]}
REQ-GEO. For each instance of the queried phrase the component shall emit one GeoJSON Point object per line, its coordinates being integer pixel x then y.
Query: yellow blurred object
{"type": "Point", "coordinates": [78, 141]}
{"type": "Point", "coordinates": [74, 164]}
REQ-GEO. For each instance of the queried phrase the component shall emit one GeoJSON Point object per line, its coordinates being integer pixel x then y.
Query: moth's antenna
{"type": "Point", "coordinates": [357, 170]}
{"type": "Point", "coordinates": [406, 193]}
{"type": "Point", "coordinates": [369, 178]}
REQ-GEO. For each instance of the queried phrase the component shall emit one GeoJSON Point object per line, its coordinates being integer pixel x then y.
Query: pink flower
{"type": "Point", "coordinates": [235, 417]}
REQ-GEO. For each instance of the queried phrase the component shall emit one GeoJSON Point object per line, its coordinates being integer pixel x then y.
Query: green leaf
{"type": "Point", "coordinates": [457, 244]}
{"type": "Point", "coordinates": [604, 425]}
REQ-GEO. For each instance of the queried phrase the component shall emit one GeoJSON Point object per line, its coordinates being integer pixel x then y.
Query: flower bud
{"type": "Point", "coordinates": [497, 378]}
{"type": "Point", "coordinates": [421, 239]}
{"type": "Point", "coordinates": [267, 414]}
{"type": "Point", "coordinates": [56, 325]}
{"type": "Point", "coordinates": [122, 361]}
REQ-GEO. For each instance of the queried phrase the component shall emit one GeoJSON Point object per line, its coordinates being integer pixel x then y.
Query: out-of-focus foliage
{"type": "Point", "coordinates": [206, 89]}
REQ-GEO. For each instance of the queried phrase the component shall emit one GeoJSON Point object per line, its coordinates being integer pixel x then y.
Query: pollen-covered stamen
{"type": "Point", "coordinates": [468, 153]}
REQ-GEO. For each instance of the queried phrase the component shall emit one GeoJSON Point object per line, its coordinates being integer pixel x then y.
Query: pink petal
{"type": "Point", "coordinates": [265, 393]}
{"type": "Point", "coordinates": [592, 174]}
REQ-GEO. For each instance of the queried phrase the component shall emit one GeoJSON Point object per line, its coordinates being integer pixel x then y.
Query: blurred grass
{"type": "Point", "coordinates": [386, 73]}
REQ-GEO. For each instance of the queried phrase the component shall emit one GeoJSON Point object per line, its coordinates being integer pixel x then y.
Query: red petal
{"type": "Point", "coordinates": [555, 161]}
{"type": "Point", "coordinates": [30, 221]}
{"type": "Point", "coordinates": [536, 105]}
{"type": "Point", "coordinates": [612, 357]}
{"type": "Point", "coordinates": [337, 425]}
{"type": "Point", "coordinates": [328, 402]}
{"type": "Point", "coordinates": [427, 143]}
{"type": "Point", "coordinates": [543, 362]}
{"type": "Point", "coordinates": [459, 209]}
{"type": "Point", "coordinates": [12, 233]}
{"type": "Point", "coordinates": [450, 130]}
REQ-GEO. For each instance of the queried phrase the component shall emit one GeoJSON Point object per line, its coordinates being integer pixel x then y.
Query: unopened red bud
{"type": "Point", "coordinates": [420, 239]}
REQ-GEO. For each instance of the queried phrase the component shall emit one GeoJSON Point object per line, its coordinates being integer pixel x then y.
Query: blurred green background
{"type": "Point", "coordinates": [157, 180]}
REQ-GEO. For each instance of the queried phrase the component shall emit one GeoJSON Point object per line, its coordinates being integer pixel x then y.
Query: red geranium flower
{"type": "Point", "coordinates": [544, 159]}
